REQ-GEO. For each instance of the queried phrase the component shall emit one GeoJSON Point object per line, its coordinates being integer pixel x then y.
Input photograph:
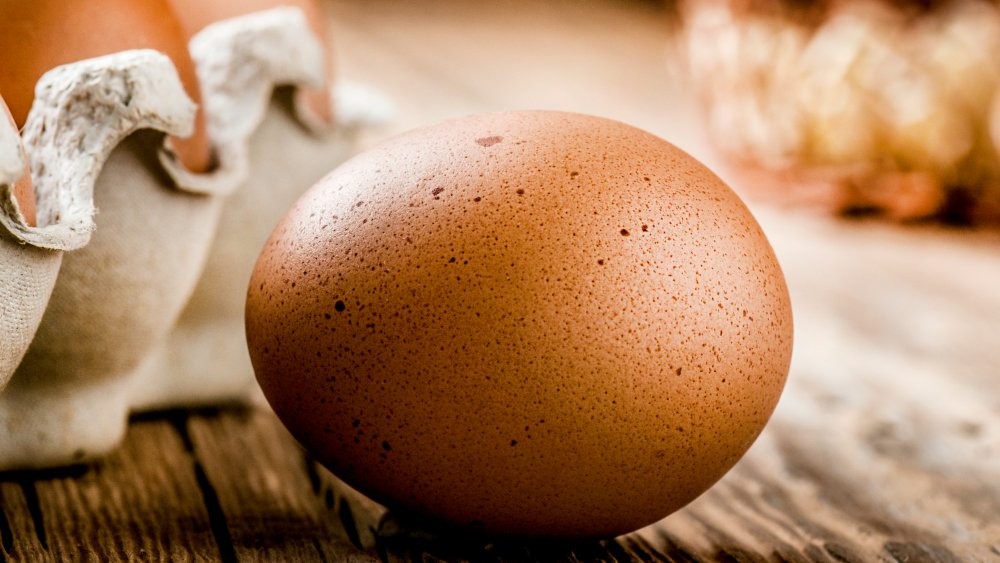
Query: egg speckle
{"type": "Point", "coordinates": [531, 323]}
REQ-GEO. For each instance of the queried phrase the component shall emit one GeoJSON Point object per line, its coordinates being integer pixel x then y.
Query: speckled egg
{"type": "Point", "coordinates": [529, 323]}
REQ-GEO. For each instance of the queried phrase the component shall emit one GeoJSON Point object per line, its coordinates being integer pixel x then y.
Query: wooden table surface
{"type": "Point", "coordinates": [885, 446]}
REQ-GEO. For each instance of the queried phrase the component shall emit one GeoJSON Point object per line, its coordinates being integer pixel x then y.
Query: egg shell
{"type": "Point", "coordinates": [40, 35]}
{"type": "Point", "coordinates": [530, 323]}
{"type": "Point", "coordinates": [24, 190]}
{"type": "Point", "coordinates": [195, 16]}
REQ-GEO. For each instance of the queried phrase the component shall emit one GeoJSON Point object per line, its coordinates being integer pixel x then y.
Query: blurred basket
{"type": "Point", "coordinates": [854, 106]}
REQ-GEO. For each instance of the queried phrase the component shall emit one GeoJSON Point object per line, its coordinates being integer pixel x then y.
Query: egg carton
{"type": "Point", "coordinates": [113, 285]}
{"type": "Point", "coordinates": [867, 105]}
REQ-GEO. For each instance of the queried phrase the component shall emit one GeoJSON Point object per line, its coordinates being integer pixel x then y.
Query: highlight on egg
{"type": "Point", "coordinates": [531, 323]}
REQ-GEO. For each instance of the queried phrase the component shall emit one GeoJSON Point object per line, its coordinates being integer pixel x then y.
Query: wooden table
{"type": "Point", "coordinates": [886, 445]}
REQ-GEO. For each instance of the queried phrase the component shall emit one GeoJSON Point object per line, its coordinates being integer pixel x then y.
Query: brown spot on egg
{"type": "Point", "coordinates": [613, 354]}
{"type": "Point", "coordinates": [489, 141]}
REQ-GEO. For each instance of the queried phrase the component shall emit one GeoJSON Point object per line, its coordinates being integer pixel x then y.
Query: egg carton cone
{"type": "Point", "coordinates": [286, 149]}
{"type": "Point", "coordinates": [91, 147]}
{"type": "Point", "coordinates": [861, 106]}
{"type": "Point", "coordinates": [115, 304]}
{"type": "Point", "coordinates": [106, 345]}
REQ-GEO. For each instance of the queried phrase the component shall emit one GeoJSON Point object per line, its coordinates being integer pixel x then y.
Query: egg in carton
{"type": "Point", "coordinates": [303, 133]}
{"type": "Point", "coordinates": [117, 298]}
{"type": "Point", "coordinates": [133, 263]}
{"type": "Point", "coordinates": [122, 193]}
{"type": "Point", "coordinates": [862, 105]}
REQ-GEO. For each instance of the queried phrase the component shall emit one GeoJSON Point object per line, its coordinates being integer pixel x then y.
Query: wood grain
{"type": "Point", "coordinates": [143, 501]}
{"type": "Point", "coordinates": [265, 515]}
{"type": "Point", "coordinates": [885, 447]}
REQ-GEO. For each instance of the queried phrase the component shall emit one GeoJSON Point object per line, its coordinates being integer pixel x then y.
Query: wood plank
{"type": "Point", "coordinates": [22, 536]}
{"type": "Point", "coordinates": [263, 503]}
{"type": "Point", "coordinates": [273, 507]}
{"type": "Point", "coordinates": [142, 501]}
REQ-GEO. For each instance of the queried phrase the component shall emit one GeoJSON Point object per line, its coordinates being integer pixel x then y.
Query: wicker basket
{"type": "Point", "coordinates": [854, 106]}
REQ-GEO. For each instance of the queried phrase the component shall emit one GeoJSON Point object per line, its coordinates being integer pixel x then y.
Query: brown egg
{"type": "Point", "coordinates": [529, 323]}
{"type": "Point", "coordinates": [43, 34]}
{"type": "Point", "coordinates": [195, 15]}
{"type": "Point", "coordinates": [24, 189]}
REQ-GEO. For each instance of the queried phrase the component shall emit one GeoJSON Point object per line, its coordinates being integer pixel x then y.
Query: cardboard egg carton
{"type": "Point", "coordinates": [128, 294]}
